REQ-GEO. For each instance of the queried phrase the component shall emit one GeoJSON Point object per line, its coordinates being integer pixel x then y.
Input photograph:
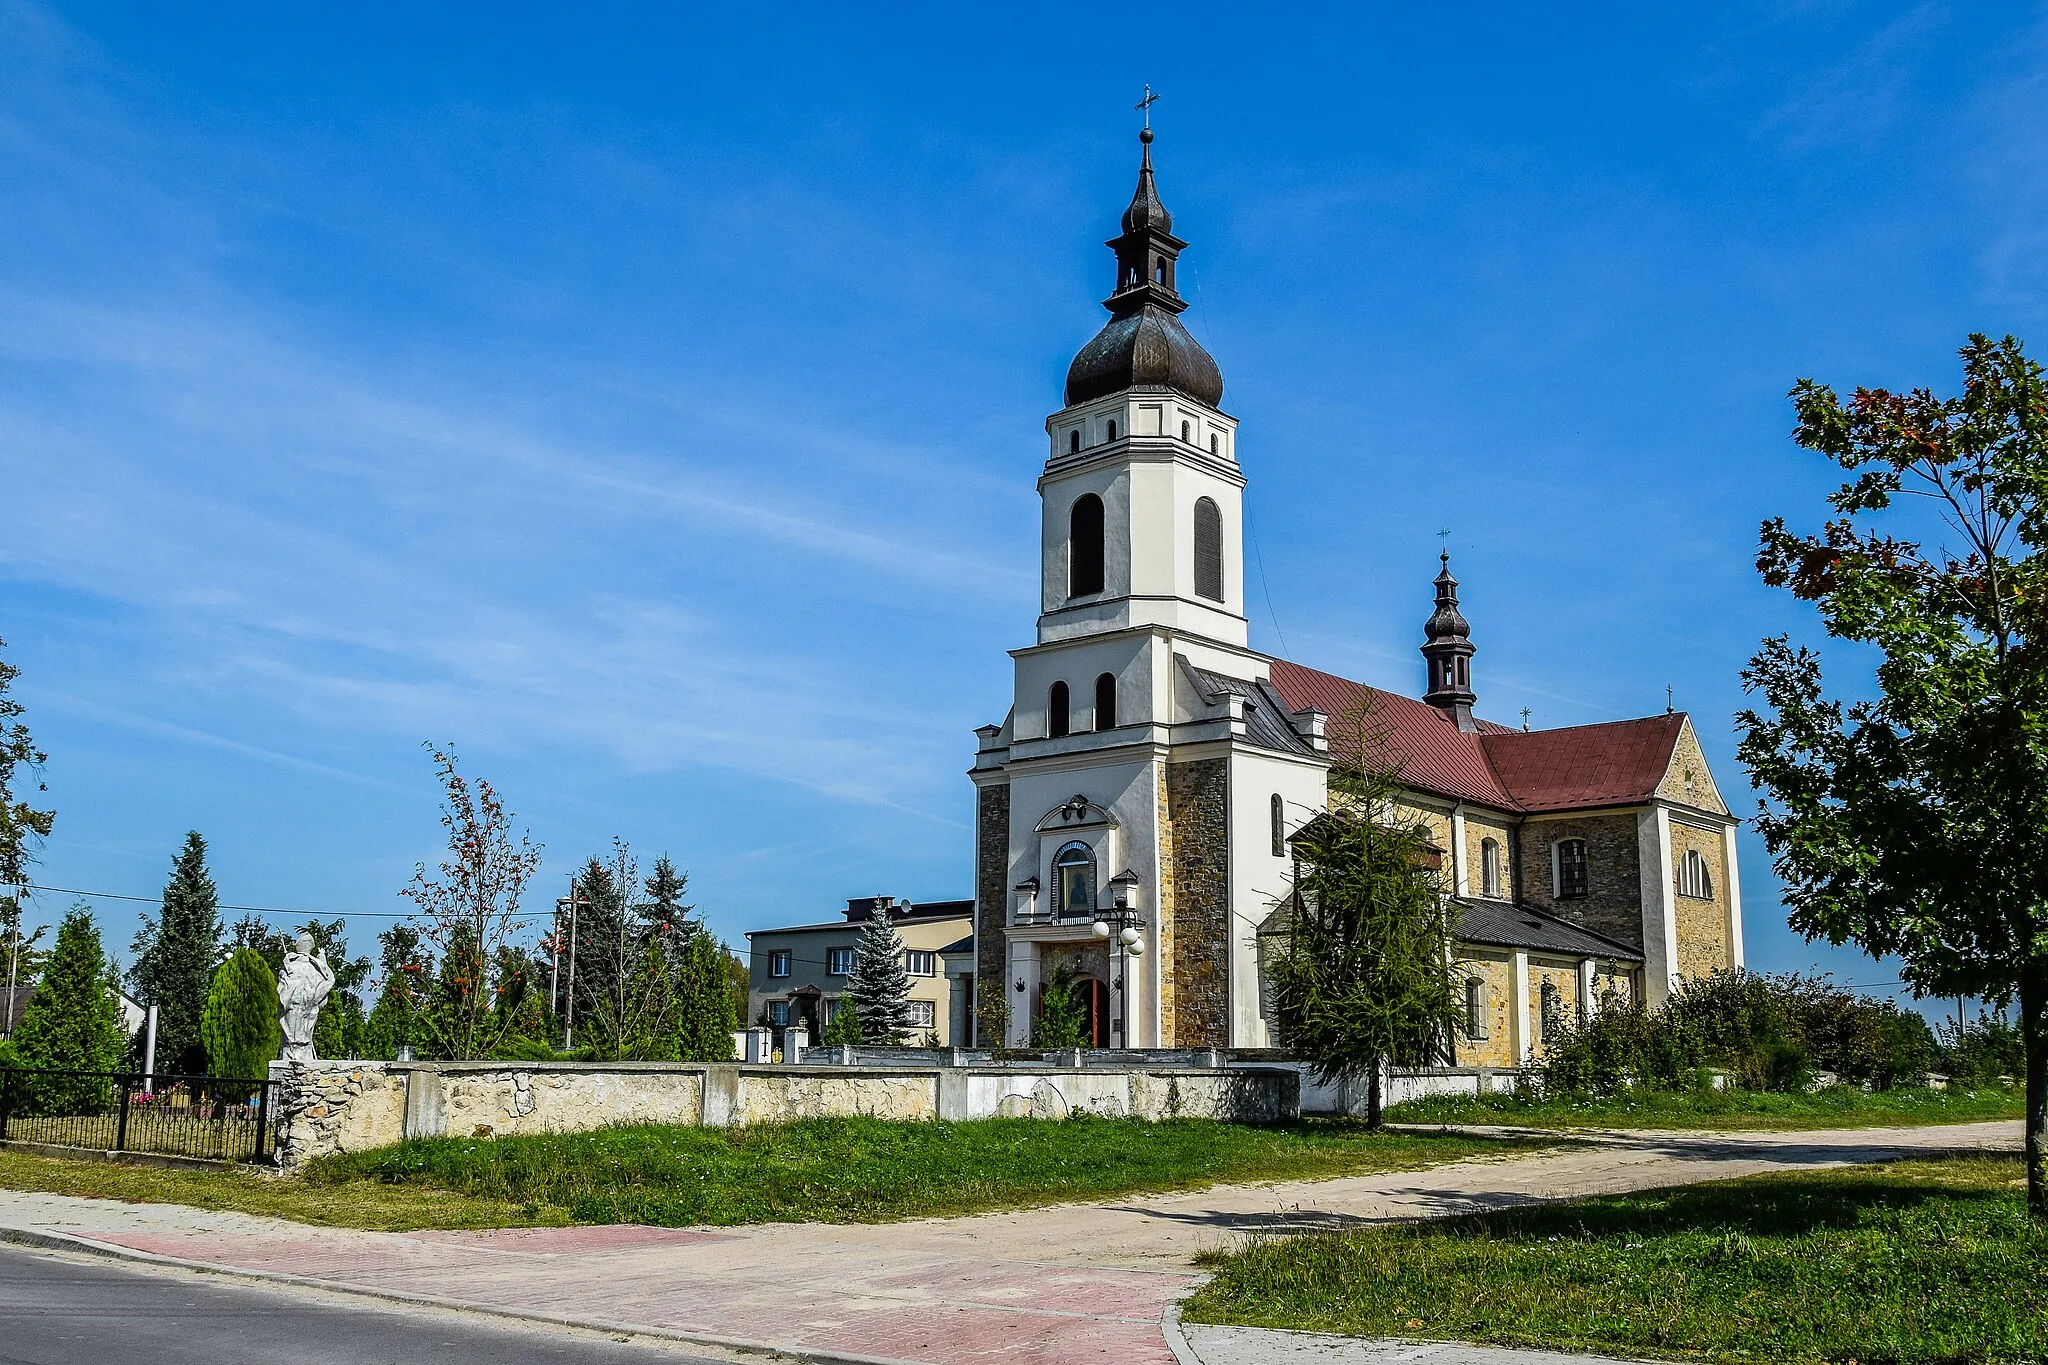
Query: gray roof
{"type": "Point", "coordinates": [958, 946]}
{"type": "Point", "coordinates": [857, 925]}
{"type": "Point", "coordinates": [1268, 722]}
{"type": "Point", "coordinates": [1499, 924]}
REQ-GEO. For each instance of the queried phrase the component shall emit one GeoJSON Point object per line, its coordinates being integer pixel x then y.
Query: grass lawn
{"type": "Point", "coordinates": [869, 1170]}
{"type": "Point", "coordinates": [1840, 1106]}
{"type": "Point", "coordinates": [1926, 1261]}
{"type": "Point", "coordinates": [357, 1204]}
{"type": "Point", "coordinates": [823, 1170]}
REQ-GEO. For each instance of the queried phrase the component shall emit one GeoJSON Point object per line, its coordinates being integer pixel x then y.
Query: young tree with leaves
{"type": "Point", "coordinates": [240, 1026]}
{"type": "Point", "coordinates": [1361, 967]}
{"type": "Point", "coordinates": [22, 827]}
{"type": "Point", "coordinates": [879, 984]}
{"type": "Point", "coordinates": [1062, 1019]}
{"type": "Point", "coordinates": [706, 1016]}
{"type": "Point", "coordinates": [175, 956]}
{"type": "Point", "coordinates": [471, 908]}
{"type": "Point", "coordinates": [1915, 824]}
{"type": "Point", "coordinates": [73, 1023]}
{"type": "Point", "coordinates": [843, 1028]}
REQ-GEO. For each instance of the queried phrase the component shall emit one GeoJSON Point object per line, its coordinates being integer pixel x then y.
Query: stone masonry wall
{"type": "Point", "coordinates": [1703, 938]}
{"type": "Point", "coordinates": [1613, 903]}
{"type": "Point", "coordinates": [1688, 780]}
{"type": "Point", "coordinates": [332, 1107]}
{"type": "Point", "coordinates": [1198, 799]}
{"type": "Point", "coordinates": [1166, 912]}
{"type": "Point", "coordinates": [991, 893]}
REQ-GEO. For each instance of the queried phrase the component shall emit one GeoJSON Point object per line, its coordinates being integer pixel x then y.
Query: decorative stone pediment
{"type": "Point", "coordinates": [1076, 814]}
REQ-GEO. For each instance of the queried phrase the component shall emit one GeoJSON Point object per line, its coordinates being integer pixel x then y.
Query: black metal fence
{"type": "Point", "coordinates": [202, 1116]}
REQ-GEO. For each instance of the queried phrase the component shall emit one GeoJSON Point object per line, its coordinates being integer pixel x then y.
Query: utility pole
{"type": "Point", "coordinates": [569, 1005]}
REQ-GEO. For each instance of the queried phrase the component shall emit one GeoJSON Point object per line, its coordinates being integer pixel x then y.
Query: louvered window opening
{"type": "Point", "coordinates": [1208, 550]}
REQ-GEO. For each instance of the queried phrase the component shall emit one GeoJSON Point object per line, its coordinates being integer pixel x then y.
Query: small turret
{"type": "Point", "coordinates": [1447, 645]}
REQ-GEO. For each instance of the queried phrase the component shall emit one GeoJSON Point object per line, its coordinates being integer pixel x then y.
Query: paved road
{"type": "Point", "coordinates": [64, 1309]}
{"type": "Point", "coordinates": [1083, 1284]}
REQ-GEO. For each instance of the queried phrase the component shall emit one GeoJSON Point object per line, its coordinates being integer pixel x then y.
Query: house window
{"type": "Point", "coordinates": [1058, 712]}
{"type": "Point", "coordinates": [1694, 879]}
{"type": "Point", "coordinates": [1489, 868]}
{"type": "Point", "coordinates": [778, 962]}
{"type": "Point", "coordinates": [922, 1013]}
{"type": "Point", "coordinates": [1073, 882]}
{"type": "Point", "coordinates": [920, 963]}
{"type": "Point", "coordinates": [1549, 1011]}
{"type": "Point", "coordinates": [1475, 1008]}
{"type": "Point", "coordinates": [1074, 441]}
{"type": "Point", "coordinates": [1279, 812]}
{"type": "Point", "coordinates": [839, 961]}
{"type": "Point", "coordinates": [1208, 550]}
{"type": "Point", "coordinates": [1568, 868]}
{"type": "Point", "coordinates": [1084, 546]}
{"type": "Point", "coordinates": [1105, 702]}
{"type": "Point", "coordinates": [778, 1013]}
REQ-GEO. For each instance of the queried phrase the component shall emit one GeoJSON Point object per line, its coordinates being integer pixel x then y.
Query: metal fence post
{"type": "Point", "coordinates": [6, 1099]}
{"type": "Point", "coordinates": [121, 1128]}
{"type": "Point", "coordinates": [262, 1117]}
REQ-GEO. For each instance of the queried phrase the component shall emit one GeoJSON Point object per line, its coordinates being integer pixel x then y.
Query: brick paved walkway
{"type": "Point", "coordinates": [1072, 1284]}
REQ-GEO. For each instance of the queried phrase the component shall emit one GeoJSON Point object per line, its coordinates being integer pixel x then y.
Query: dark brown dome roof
{"type": "Point", "coordinates": [1147, 349]}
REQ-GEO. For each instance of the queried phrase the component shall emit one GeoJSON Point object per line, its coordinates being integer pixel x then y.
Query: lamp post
{"type": "Point", "coordinates": [1121, 925]}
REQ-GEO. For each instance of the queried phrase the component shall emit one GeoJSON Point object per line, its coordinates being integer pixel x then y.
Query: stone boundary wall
{"type": "Point", "coordinates": [329, 1107]}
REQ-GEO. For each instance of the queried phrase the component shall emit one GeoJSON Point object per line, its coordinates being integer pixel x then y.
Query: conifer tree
{"type": "Point", "coordinates": [707, 1018]}
{"type": "Point", "coordinates": [73, 1023]}
{"type": "Point", "coordinates": [843, 1029]}
{"type": "Point", "coordinates": [175, 955]}
{"type": "Point", "coordinates": [664, 911]}
{"type": "Point", "coordinates": [879, 984]}
{"type": "Point", "coordinates": [404, 972]}
{"type": "Point", "coordinates": [1361, 973]}
{"type": "Point", "coordinates": [240, 1025]}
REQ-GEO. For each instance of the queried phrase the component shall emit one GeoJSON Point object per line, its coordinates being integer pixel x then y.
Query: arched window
{"type": "Point", "coordinates": [1215, 443]}
{"type": "Point", "coordinates": [1489, 868]}
{"type": "Point", "coordinates": [1084, 546]}
{"type": "Point", "coordinates": [1073, 882]}
{"type": "Point", "coordinates": [1550, 1011]}
{"type": "Point", "coordinates": [1208, 550]}
{"type": "Point", "coordinates": [1058, 712]}
{"type": "Point", "coordinates": [1185, 431]}
{"type": "Point", "coordinates": [1279, 827]}
{"type": "Point", "coordinates": [1074, 441]}
{"type": "Point", "coordinates": [1112, 428]}
{"type": "Point", "coordinates": [1105, 702]}
{"type": "Point", "coordinates": [1475, 1008]}
{"type": "Point", "coordinates": [1568, 868]}
{"type": "Point", "coordinates": [1694, 877]}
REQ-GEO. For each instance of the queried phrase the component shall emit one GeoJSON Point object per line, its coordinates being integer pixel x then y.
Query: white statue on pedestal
{"type": "Point", "coordinates": [302, 988]}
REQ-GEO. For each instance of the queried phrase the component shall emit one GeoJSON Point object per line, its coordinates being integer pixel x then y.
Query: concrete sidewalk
{"type": "Point", "coordinates": [1090, 1282]}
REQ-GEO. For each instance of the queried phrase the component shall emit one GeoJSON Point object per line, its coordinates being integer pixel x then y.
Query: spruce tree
{"type": "Point", "coordinates": [404, 971]}
{"type": "Point", "coordinates": [73, 1023]}
{"type": "Point", "coordinates": [175, 955]}
{"type": "Point", "coordinates": [843, 1030]}
{"type": "Point", "coordinates": [879, 983]}
{"type": "Point", "coordinates": [665, 912]}
{"type": "Point", "coordinates": [240, 1026]}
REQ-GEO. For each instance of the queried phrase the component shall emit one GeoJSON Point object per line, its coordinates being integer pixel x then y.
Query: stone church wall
{"type": "Point", "coordinates": [1688, 781]}
{"type": "Point", "coordinates": [1703, 944]}
{"type": "Point", "coordinates": [1496, 970]}
{"type": "Point", "coordinates": [991, 889]}
{"type": "Point", "coordinates": [1196, 1013]}
{"type": "Point", "coordinates": [1613, 903]}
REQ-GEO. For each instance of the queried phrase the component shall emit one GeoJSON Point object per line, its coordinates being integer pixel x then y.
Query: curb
{"type": "Point", "coordinates": [1176, 1340]}
{"type": "Point", "coordinates": [59, 1241]}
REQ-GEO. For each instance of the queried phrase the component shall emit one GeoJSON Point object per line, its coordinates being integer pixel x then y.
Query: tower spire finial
{"type": "Point", "coordinates": [1447, 644]}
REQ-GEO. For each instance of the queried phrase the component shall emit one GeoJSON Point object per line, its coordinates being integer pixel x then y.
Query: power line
{"type": "Point", "coordinates": [251, 909]}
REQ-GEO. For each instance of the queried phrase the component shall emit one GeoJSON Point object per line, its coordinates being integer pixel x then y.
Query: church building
{"type": "Point", "coordinates": [1133, 811]}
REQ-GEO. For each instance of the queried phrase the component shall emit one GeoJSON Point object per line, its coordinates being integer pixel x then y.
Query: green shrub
{"type": "Point", "coordinates": [72, 1024]}
{"type": "Point", "coordinates": [1062, 1016]}
{"type": "Point", "coordinates": [1983, 1052]}
{"type": "Point", "coordinates": [240, 1026]}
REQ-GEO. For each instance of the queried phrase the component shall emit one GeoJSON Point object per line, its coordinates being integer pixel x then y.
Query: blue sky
{"type": "Point", "coordinates": [647, 399]}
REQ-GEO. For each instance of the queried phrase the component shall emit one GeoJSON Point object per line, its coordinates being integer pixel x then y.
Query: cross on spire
{"type": "Point", "coordinates": [1144, 106]}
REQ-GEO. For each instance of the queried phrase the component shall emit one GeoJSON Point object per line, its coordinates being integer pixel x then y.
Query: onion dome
{"type": "Point", "coordinates": [1447, 645]}
{"type": "Point", "coordinates": [1144, 345]}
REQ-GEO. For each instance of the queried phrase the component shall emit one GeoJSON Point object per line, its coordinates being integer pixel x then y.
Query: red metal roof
{"type": "Point", "coordinates": [1616, 763]}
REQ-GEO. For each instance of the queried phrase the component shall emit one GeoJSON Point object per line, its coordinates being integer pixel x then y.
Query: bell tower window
{"type": "Point", "coordinates": [1112, 428]}
{"type": "Point", "coordinates": [1058, 712]}
{"type": "Point", "coordinates": [1208, 550]}
{"type": "Point", "coordinates": [1084, 546]}
{"type": "Point", "coordinates": [1074, 441]}
{"type": "Point", "coordinates": [1105, 702]}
